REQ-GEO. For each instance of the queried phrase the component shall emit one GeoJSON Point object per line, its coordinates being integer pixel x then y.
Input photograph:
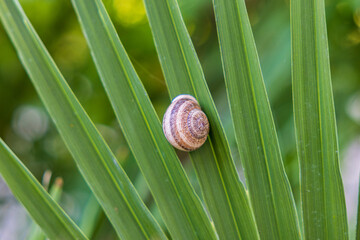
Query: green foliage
{"type": "Point", "coordinates": [321, 185]}
{"type": "Point", "coordinates": [253, 123]}
{"type": "Point", "coordinates": [178, 204]}
{"type": "Point", "coordinates": [213, 163]}
{"type": "Point", "coordinates": [119, 199]}
{"type": "Point", "coordinates": [208, 200]}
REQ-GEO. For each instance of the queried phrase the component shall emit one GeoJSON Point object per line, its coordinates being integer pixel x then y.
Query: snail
{"type": "Point", "coordinates": [185, 126]}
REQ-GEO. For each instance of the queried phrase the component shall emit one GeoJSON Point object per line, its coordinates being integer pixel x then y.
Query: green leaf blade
{"type": "Point", "coordinates": [91, 216]}
{"type": "Point", "coordinates": [42, 208]}
{"type": "Point", "coordinates": [128, 214]}
{"type": "Point", "coordinates": [322, 194]}
{"type": "Point", "coordinates": [255, 133]}
{"type": "Point", "coordinates": [180, 207]}
{"type": "Point", "coordinates": [223, 192]}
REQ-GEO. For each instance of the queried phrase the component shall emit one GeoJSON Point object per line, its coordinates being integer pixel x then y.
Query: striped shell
{"type": "Point", "coordinates": [185, 126]}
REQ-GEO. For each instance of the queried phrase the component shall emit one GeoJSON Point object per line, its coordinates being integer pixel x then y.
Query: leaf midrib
{"type": "Point", "coordinates": [319, 113]}
{"type": "Point", "coordinates": [256, 111]}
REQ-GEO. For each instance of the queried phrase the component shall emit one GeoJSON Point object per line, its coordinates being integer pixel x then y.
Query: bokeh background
{"type": "Point", "coordinates": [26, 127]}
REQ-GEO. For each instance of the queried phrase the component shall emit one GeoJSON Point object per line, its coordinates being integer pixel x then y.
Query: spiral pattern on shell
{"type": "Point", "coordinates": [185, 126]}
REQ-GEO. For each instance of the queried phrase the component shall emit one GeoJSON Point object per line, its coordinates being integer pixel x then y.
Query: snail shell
{"type": "Point", "coordinates": [185, 126]}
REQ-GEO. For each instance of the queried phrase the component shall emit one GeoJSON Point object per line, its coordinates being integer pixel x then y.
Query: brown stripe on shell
{"type": "Point", "coordinates": [174, 130]}
{"type": "Point", "coordinates": [193, 125]}
{"type": "Point", "coordinates": [188, 109]}
{"type": "Point", "coordinates": [167, 128]}
{"type": "Point", "coordinates": [185, 135]}
{"type": "Point", "coordinates": [179, 126]}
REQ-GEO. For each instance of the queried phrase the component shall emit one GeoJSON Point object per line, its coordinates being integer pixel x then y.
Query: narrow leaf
{"type": "Point", "coordinates": [223, 192]}
{"type": "Point", "coordinates": [322, 192]}
{"type": "Point", "coordinates": [108, 181]}
{"type": "Point", "coordinates": [41, 207]}
{"type": "Point", "coordinates": [181, 209]}
{"type": "Point", "coordinates": [255, 133]}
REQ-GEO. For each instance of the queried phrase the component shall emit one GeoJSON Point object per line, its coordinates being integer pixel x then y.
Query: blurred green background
{"type": "Point", "coordinates": [27, 129]}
